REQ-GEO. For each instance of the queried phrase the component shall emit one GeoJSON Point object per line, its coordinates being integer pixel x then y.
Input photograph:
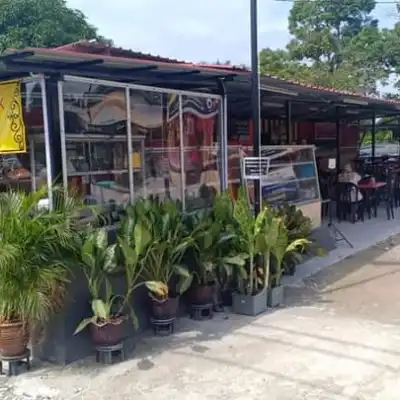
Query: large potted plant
{"type": "Point", "coordinates": [214, 256]}
{"type": "Point", "coordinates": [258, 235]}
{"type": "Point", "coordinates": [99, 261]}
{"type": "Point", "coordinates": [167, 242]}
{"type": "Point", "coordinates": [284, 249]}
{"type": "Point", "coordinates": [298, 226]}
{"type": "Point", "coordinates": [36, 249]}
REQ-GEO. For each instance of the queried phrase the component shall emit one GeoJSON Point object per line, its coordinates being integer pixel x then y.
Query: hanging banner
{"type": "Point", "coordinates": [12, 127]}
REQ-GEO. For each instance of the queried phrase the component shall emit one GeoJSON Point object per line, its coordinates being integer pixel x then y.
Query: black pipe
{"type": "Point", "coordinates": [338, 140]}
{"type": "Point", "coordinates": [289, 138]}
{"type": "Point", "coordinates": [337, 194]}
{"type": "Point", "coordinates": [255, 97]}
{"type": "Point", "coordinates": [373, 137]}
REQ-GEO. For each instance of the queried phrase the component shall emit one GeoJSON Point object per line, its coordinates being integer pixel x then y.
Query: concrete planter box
{"type": "Point", "coordinates": [249, 305]}
{"type": "Point", "coordinates": [276, 296]}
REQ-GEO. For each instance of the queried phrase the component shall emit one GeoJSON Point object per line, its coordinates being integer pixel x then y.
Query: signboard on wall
{"type": "Point", "coordinates": [12, 126]}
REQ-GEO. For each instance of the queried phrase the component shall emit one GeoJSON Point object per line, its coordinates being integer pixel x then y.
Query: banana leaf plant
{"type": "Point", "coordinates": [258, 237]}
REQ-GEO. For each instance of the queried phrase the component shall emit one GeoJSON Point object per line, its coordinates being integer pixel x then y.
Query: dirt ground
{"type": "Point", "coordinates": [337, 337]}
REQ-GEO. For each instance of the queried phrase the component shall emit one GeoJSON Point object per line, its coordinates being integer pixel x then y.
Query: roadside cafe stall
{"type": "Point", "coordinates": [113, 128]}
{"type": "Point", "coordinates": [117, 127]}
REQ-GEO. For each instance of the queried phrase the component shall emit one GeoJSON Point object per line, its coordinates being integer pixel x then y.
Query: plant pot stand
{"type": "Point", "coordinates": [163, 327]}
{"type": "Point", "coordinates": [15, 362]}
{"type": "Point", "coordinates": [104, 354]}
{"type": "Point", "coordinates": [200, 312]}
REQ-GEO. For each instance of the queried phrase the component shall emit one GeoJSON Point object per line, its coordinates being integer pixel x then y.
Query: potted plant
{"type": "Point", "coordinates": [298, 226]}
{"type": "Point", "coordinates": [257, 235]}
{"type": "Point", "coordinates": [168, 242]}
{"type": "Point", "coordinates": [109, 310]}
{"type": "Point", "coordinates": [284, 249]}
{"type": "Point", "coordinates": [37, 247]}
{"type": "Point", "coordinates": [98, 260]}
{"type": "Point", "coordinates": [213, 254]}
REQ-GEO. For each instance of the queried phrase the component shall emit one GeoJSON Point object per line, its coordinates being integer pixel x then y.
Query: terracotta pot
{"type": "Point", "coordinates": [166, 309]}
{"type": "Point", "coordinates": [14, 338]}
{"type": "Point", "coordinates": [107, 335]}
{"type": "Point", "coordinates": [202, 294]}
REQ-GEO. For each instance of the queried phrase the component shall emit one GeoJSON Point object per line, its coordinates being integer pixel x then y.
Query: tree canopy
{"type": "Point", "coordinates": [42, 23]}
{"type": "Point", "coordinates": [336, 43]}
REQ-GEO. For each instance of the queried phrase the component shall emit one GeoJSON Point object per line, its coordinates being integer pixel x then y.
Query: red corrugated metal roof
{"type": "Point", "coordinates": [90, 47]}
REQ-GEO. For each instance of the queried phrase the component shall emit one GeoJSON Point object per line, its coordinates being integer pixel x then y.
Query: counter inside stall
{"type": "Point", "coordinates": [292, 179]}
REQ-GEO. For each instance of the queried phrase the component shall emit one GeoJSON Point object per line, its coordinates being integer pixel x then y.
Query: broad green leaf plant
{"type": "Point", "coordinates": [166, 241]}
{"type": "Point", "coordinates": [258, 236]}
{"type": "Point", "coordinates": [100, 259]}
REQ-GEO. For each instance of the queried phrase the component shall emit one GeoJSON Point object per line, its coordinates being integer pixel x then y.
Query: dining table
{"type": "Point", "coordinates": [371, 185]}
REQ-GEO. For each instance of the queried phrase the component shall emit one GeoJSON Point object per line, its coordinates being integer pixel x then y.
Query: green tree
{"type": "Point", "coordinates": [279, 63]}
{"type": "Point", "coordinates": [42, 23]}
{"type": "Point", "coordinates": [322, 29]}
{"type": "Point", "coordinates": [339, 42]}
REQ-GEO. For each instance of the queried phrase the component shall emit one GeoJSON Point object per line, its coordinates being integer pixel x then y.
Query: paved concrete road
{"type": "Point", "coordinates": [337, 338]}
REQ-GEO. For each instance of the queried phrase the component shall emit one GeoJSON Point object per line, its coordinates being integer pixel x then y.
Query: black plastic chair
{"type": "Point", "coordinates": [396, 189]}
{"type": "Point", "coordinates": [388, 194]}
{"type": "Point", "coordinates": [348, 203]}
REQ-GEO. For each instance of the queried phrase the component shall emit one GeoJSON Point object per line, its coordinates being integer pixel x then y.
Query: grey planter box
{"type": "Point", "coordinates": [276, 296]}
{"type": "Point", "coordinates": [249, 305]}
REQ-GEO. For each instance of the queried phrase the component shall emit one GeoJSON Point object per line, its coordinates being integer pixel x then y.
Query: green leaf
{"type": "Point", "coordinates": [100, 309]}
{"type": "Point", "coordinates": [158, 288]}
{"type": "Point", "coordinates": [238, 260]}
{"type": "Point", "coordinates": [142, 237]}
{"type": "Point", "coordinates": [101, 239]}
{"type": "Point", "coordinates": [85, 323]}
{"type": "Point", "coordinates": [129, 253]}
{"type": "Point", "coordinates": [184, 283]}
{"type": "Point", "coordinates": [110, 258]}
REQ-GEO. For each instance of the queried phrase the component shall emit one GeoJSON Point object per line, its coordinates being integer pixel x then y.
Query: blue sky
{"type": "Point", "coordinates": [191, 30]}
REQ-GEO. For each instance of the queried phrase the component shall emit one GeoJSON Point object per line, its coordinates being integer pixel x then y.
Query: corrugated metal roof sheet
{"type": "Point", "coordinates": [92, 47]}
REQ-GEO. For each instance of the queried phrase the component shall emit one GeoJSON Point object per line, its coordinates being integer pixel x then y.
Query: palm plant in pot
{"type": "Point", "coordinates": [167, 242]}
{"type": "Point", "coordinates": [257, 236]}
{"type": "Point", "coordinates": [37, 248]}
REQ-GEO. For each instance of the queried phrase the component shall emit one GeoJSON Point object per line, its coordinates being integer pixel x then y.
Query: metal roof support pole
{"type": "Point", "coordinates": [338, 133]}
{"type": "Point", "coordinates": [129, 144]}
{"type": "Point", "coordinates": [61, 115]}
{"type": "Point", "coordinates": [255, 98]}
{"type": "Point", "coordinates": [223, 137]}
{"type": "Point", "coordinates": [288, 113]}
{"type": "Point", "coordinates": [51, 136]}
{"type": "Point", "coordinates": [373, 137]}
{"type": "Point", "coordinates": [182, 154]}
